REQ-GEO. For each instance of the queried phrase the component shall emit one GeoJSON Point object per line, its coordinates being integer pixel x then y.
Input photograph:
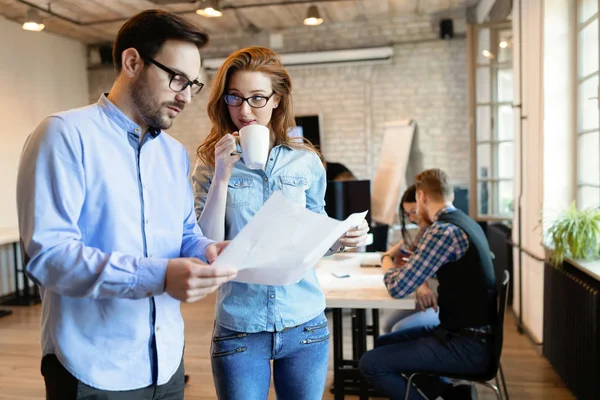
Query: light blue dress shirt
{"type": "Point", "coordinates": [100, 215]}
{"type": "Point", "coordinates": [300, 175]}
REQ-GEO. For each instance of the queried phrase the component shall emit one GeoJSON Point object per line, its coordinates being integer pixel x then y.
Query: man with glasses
{"type": "Point", "coordinates": [107, 221]}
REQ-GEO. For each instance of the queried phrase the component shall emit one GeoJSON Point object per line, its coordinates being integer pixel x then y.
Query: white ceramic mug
{"type": "Point", "coordinates": [254, 140]}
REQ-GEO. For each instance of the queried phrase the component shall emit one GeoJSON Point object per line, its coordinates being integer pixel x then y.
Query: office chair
{"type": "Point", "coordinates": [495, 366]}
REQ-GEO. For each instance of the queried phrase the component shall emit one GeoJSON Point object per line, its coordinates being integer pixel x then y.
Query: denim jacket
{"type": "Point", "coordinates": [300, 175]}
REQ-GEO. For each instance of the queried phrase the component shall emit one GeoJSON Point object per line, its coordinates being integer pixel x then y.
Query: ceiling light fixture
{"type": "Point", "coordinates": [33, 21]}
{"type": "Point", "coordinates": [503, 44]}
{"type": "Point", "coordinates": [209, 9]}
{"type": "Point", "coordinates": [313, 17]}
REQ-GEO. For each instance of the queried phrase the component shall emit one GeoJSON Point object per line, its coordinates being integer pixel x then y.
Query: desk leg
{"type": "Point", "coordinates": [361, 347]}
{"type": "Point", "coordinates": [374, 331]}
{"type": "Point", "coordinates": [16, 273]}
{"type": "Point", "coordinates": [355, 328]}
{"type": "Point", "coordinates": [27, 289]}
{"type": "Point", "coordinates": [338, 354]}
{"type": "Point", "coordinates": [5, 313]}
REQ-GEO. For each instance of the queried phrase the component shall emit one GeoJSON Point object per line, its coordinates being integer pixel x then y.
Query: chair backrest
{"type": "Point", "coordinates": [499, 326]}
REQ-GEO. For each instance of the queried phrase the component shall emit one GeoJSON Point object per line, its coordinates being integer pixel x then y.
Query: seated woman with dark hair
{"type": "Point", "coordinates": [338, 172]}
{"type": "Point", "coordinates": [427, 310]}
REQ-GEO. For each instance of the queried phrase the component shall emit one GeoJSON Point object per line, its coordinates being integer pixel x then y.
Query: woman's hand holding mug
{"type": "Point", "coordinates": [226, 155]}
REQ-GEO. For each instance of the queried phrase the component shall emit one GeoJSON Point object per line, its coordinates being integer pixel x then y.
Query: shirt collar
{"type": "Point", "coordinates": [121, 119]}
{"type": "Point", "coordinates": [445, 210]}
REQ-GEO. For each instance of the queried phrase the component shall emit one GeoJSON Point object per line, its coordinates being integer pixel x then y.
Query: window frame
{"type": "Point", "coordinates": [492, 180]}
{"type": "Point", "coordinates": [579, 81]}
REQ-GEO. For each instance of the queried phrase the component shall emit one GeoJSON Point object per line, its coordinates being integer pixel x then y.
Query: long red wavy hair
{"type": "Point", "coordinates": [256, 59]}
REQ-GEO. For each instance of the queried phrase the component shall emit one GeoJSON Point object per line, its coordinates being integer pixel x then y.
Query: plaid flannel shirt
{"type": "Point", "coordinates": [440, 244]}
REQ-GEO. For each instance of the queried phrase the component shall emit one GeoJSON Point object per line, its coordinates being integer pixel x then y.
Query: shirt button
{"type": "Point", "coordinates": [149, 294]}
{"type": "Point", "coordinates": [266, 179]}
{"type": "Point", "coordinates": [149, 255]}
{"type": "Point", "coordinates": [272, 296]}
{"type": "Point", "coordinates": [271, 159]}
{"type": "Point", "coordinates": [146, 222]}
{"type": "Point", "coordinates": [157, 328]}
{"type": "Point", "coordinates": [137, 130]}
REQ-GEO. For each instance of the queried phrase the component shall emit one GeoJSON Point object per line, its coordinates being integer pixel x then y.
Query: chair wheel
{"type": "Point", "coordinates": [186, 378]}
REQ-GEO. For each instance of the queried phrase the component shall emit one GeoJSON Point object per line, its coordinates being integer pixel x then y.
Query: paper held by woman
{"type": "Point", "coordinates": [283, 242]}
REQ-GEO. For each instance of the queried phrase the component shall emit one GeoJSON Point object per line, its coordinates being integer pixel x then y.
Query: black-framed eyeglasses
{"type": "Point", "coordinates": [179, 82]}
{"type": "Point", "coordinates": [256, 101]}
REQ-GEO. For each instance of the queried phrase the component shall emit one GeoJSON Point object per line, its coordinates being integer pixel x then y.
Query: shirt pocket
{"type": "Point", "coordinates": [239, 192]}
{"type": "Point", "coordinates": [294, 188]}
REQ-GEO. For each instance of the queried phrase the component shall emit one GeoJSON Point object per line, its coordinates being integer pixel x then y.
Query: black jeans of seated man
{"type": "Point", "coordinates": [422, 349]}
{"type": "Point", "coordinates": [62, 385]}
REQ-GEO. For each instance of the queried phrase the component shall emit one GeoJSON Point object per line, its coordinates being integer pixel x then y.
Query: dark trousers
{"type": "Point", "coordinates": [61, 385]}
{"type": "Point", "coordinates": [422, 349]}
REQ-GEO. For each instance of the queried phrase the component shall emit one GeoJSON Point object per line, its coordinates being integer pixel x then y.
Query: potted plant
{"type": "Point", "coordinates": [575, 234]}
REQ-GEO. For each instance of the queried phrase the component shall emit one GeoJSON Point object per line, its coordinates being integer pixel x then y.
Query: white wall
{"type": "Point", "coordinates": [426, 81]}
{"type": "Point", "coordinates": [532, 166]}
{"type": "Point", "coordinates": [40, 73]}
{"type": "Point", "coordinates": [548, 136]}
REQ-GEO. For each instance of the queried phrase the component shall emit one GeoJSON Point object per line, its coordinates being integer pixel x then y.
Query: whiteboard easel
{"type": "Point", "coordinates": [391, 171]}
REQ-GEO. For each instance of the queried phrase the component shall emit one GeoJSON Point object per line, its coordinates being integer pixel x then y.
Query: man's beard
{"type": "Point", "coordinates": [150, 112]}
{"type": "Point", "coordinates": [422, 214]}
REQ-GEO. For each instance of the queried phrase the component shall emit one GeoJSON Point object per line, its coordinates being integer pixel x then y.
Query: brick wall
{"type": "Point", "coordinates": [425, 81]}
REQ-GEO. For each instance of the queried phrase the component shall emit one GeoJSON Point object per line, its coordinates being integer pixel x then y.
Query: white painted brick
{"type": "Point", "coordinates": [426, 81]}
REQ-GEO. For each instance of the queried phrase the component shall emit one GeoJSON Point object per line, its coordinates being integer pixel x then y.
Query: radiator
{"type": "Point", "coordinates": [572, 330]}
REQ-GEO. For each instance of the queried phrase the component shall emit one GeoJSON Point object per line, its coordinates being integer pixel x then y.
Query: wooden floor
{"type": "Point", "coordinates": [529, 375]}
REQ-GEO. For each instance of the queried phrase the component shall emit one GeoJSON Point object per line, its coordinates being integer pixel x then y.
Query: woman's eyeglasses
{"type": "Point", "coordinates": [256, 101]}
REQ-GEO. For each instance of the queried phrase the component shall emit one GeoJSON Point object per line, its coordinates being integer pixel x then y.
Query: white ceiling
{"type": "Point", "coordinates": [236, 18]}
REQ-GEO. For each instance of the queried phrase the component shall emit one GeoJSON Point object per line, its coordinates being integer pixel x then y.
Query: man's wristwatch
{"type": "Point", "coordinates": [386, 255]}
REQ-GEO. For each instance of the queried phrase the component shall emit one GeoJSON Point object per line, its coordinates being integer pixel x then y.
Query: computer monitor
{"type": "Point", "coordinates": [308, 126]}
{"type": "Point", "coordinates": [343, 198]}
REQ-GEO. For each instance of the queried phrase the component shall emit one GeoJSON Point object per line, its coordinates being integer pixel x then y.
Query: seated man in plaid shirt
{"type": "Point", "coordinates": [455, 249]}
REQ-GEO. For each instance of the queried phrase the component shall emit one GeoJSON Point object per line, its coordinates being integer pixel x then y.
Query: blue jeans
{"type": "Point", "coordinates": [419, 349]}
{"type": "Point", "coordinates": [241, 362]}
{"type": "Point", "coordinates": [398, 320]}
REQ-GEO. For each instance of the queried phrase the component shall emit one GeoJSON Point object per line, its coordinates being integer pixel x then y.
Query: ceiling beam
{"type": "Point", "coordinates": [224, 7]}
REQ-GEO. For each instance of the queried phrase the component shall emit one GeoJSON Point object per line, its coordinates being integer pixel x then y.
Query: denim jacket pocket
{"type": "Point", "coordinates": [294, 187]}
{"type": "Point", "coordinates": [239, 192]}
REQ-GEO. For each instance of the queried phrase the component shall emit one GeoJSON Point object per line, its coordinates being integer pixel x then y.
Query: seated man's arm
{"type": "Point", "coordinates": [441, 243]}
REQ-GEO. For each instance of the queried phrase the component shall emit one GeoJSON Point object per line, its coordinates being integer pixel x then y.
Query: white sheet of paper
{"type": "Point", "coordinates": [282, 242]}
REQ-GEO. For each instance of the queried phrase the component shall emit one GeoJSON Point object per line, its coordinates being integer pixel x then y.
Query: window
{"type": "Point", "coordinates": [588, 116]}
{"type": "Point", "coordinates": [492, 114]}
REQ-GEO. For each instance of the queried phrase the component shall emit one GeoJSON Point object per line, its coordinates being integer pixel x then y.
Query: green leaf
{"type": "Point", "coordinates": [576, 234]}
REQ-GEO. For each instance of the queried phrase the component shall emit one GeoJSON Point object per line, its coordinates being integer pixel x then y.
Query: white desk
{"type": "Point", "coordinates": [9, 236]}
{"type": "Point", "coordinates": [363, 290]}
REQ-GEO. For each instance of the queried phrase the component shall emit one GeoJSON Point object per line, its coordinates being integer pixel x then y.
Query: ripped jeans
{"type": "Point", "coordinates": [241, 362]}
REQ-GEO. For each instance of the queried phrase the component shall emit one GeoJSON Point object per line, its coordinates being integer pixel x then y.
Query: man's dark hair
{"type": "Point", "coordinates": [147, 31]}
